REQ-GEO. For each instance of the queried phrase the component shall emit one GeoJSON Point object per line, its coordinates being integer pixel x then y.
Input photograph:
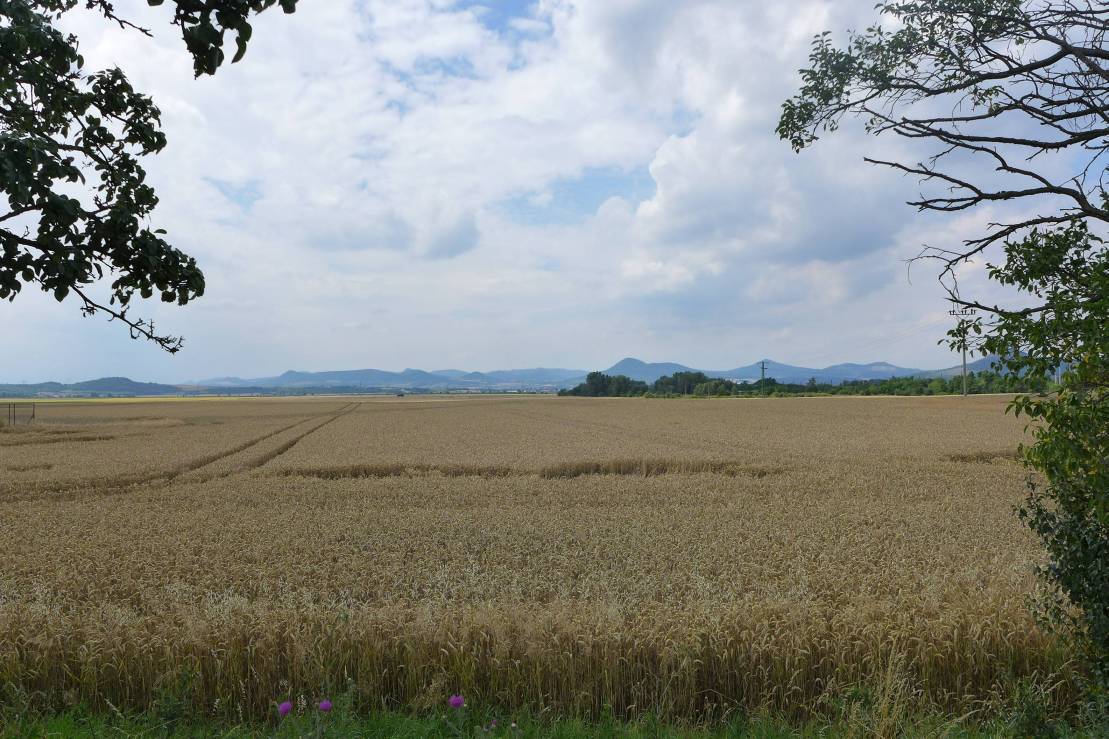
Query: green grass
{"type": "Point", "coordinates": [80, 723]}
{"type": "Point", "coordinates": [1027, 712]}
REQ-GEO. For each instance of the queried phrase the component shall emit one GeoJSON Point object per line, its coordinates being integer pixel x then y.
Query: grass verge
{"type": "Point", "coordinates": [307, 722]}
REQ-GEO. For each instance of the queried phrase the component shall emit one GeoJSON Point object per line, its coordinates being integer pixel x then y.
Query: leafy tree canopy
{"type": "Point", "coordinates": [1013, 98]}
{"type": "Point", "coordinates": [78, 204]}
{"type": "Point", "coordinates": [601, 385]}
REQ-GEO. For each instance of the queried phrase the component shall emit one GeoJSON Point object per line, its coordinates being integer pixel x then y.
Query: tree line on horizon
{"type": "Point", "coordinates": [698, 384]}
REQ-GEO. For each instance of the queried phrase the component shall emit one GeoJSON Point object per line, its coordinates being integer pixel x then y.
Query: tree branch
{"type": "Point", "coordinates": [140, 329]}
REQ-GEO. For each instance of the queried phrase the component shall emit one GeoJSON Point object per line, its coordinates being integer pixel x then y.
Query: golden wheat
{"type": "Point", "coordinates": [684, 558]}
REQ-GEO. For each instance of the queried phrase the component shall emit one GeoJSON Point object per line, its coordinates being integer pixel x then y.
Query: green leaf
{"type": "Point", "coordinates": [241, 40]}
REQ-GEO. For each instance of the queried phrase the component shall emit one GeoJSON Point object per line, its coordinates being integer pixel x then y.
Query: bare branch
{"type": "Point", "coordinates": [140, 329]}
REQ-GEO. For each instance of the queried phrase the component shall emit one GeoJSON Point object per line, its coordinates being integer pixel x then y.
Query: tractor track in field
{"type": "Point", "coordinates": [108, 486]}
{"type": "Point", "coordinates": [253, 463]}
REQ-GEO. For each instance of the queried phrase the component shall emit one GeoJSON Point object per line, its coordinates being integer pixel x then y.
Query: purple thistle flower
{"type": "Point", "coordinates": [325, 705]}
{"type": "Point", "coordinates": [456, 701]}
{"type": "Point", "coordinates": [284, 708]}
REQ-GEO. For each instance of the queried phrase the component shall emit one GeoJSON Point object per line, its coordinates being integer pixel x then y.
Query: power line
{"type": "Point", "coordinates": [878, 341]}
{"type": "Point", "coordinates": [962, 313]}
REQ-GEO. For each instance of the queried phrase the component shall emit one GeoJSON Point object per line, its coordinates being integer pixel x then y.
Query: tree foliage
{"type": "Point", "coordinates": [1068, 270]}
{"type": "Point", "coordinates": [1022, 87]}
{"type": "Point", "coordinates": [700, 385]}
{"type": "Point", "coordinates": [78, 204]}
{"type": "Point", "coordinates": [1024, 79]}
{"type": "Point", "coordinates": [680, 383]}
{"type": "Point", "coordinates": [600, 385]}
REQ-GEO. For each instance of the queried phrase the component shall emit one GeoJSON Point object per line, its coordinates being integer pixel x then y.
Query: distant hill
{"type": "Point", "coordinates": [538, 375]}
{"type": "Point", "coordinates": [536, 378]}
{"type": "Point", "coordinates": [648, 372]}
{"type": "Point", "coordinates": [985, 364]}
{"type": "Point", "coordinates": [451, 373]}
{"type": "Point", "coordinates": [221, 382]}
{"type": "Point", "coordinates": [355, 378]}
{"type": "Point", "coordinates": [872, 371]}
{"type": "Point", "coordinates": [102, 386]}
{"type": "Point", "coordinates": [835, 373]}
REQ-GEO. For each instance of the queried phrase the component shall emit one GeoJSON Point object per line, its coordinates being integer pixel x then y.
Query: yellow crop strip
{"type": "Point", "coordinates": [686, 559]}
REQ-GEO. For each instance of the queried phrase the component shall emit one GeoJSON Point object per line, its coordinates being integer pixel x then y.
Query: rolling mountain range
{"type": "Point", "coordinates": [539, 378]}
{"type": "Point", "coordinates": [649, 372]}
{"type": "Point", "coordinates": [101, 386]}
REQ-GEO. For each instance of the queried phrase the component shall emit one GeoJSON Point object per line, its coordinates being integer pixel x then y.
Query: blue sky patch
{"type": "Point", "coordinates": [244, 195]}
{"type": "Point", "coordinates": [573, 199]}
{"type": "Point", "coordinates": [497, 15]}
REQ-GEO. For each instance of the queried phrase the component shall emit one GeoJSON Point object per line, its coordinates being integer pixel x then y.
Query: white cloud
{"type": "Point", "coordinates": [377, 138]}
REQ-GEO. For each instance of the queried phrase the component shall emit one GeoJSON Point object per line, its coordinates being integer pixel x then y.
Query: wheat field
{"type": "Point", "coordinates": [681, 558]}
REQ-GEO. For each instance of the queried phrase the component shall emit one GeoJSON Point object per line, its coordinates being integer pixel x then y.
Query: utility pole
{"type": "Point", "coordinates": [964, 371]}
{"type": "Point", "coordinates": [762, 371]}
{"type": "Point", "coordinates": [962, 313]}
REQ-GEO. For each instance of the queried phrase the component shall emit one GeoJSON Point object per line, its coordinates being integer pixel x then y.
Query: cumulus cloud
{"type": "Point", "coordinates": [458, 235]}
{"type": "Point", "coordinates": [344, 188]}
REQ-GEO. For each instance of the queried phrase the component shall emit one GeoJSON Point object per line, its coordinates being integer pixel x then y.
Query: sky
{"type": "Point", "coordinates": [491, 185]}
